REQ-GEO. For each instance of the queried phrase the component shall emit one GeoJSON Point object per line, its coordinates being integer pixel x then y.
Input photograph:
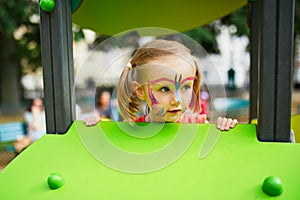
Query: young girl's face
{"type": "Point", "coordinates": [168, 87]}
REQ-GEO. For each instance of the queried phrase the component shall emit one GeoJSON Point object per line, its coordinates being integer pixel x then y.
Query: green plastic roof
{"type": "Point", "coordinates": [113, 17]}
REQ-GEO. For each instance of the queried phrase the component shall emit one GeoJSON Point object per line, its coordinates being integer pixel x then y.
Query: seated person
{"type": "Point", "coordinates": [103, 105]}
{"type": "Point", "coordinates": [36, 125]}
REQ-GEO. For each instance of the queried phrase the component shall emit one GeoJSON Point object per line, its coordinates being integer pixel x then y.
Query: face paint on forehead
{"type": "Point", "coordinates": [160, 80]}
{"type": "Point", "coordinates": [177, 85]}
{"type": "Point", "coordinates": [177, 81]}
{"type": "Point", "coordinates": [187, 79]}
{"type": "Point", "coordinates": [172, 81]}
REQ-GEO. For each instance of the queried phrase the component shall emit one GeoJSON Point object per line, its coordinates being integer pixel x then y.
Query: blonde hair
{"type": "Point", "coordinates": [129, 104]}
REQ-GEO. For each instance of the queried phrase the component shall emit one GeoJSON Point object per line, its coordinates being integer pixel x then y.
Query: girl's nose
{"type": "Point", "coordinates": [175, 99]}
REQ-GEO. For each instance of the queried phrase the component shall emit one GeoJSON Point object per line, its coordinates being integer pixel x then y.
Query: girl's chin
{"type": "Point", "coordinates": [172, 118]}
{"type": "Point", "coordinates": [166, 118]}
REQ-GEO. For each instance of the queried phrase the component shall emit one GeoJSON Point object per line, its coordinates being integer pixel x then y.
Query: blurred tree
{"type": "Point", "coordinates": [105, 43]}
{"type": "Point", "coordinates": [19, 49]}
{"type": "Point", "coordinates": [206, 35]}
{"type": "Point", "coordinates": [238, 19]}
{"type": "Point", "coordinates": [77, 33]}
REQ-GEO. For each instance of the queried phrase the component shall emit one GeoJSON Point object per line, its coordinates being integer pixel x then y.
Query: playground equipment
{"type": "Point", "coordinates": [238, 167]}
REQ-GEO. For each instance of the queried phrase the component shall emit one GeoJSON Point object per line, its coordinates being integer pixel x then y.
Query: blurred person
{"type": "Point", "coordinates": [204, 96]}
{"type": "Point", "coordinates": [36, 125]}
{"type": "Point", "coordinates": [103, 105]}
{"type": "Point", "coordinates": [231, 78]}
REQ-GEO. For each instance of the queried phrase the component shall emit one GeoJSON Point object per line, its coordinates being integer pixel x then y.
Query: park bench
{"type": "Point", "coordinates": [10, 131]}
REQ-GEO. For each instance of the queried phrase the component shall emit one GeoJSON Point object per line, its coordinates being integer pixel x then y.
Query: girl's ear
{"type": "Point", "coordinates": [138, 90]}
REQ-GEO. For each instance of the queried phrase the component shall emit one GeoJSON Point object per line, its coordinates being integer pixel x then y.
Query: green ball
{"type": "Point", "coordinates": [272, 186]}
{"type": "Point", "coordinates": [47, 5]}
{"type": "Point", "coordinates": [55, 181]}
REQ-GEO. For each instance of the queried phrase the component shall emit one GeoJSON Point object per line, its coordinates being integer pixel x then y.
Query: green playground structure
{"type": "Point", "coordinates": [234, 169]}
{"type": "Point", "coordinates": [115, 160]}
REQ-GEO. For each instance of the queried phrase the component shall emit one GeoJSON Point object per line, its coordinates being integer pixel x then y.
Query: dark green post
{"type": "Point", "coordinates": [275, 69]}
{"type": "Point", "coordinates": [254, 42]}
{"type": "Point", "coordinates": [57, 60]}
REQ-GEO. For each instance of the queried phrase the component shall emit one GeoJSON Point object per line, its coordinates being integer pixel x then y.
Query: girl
{"type": "Point", "coordinates": [165, 76]}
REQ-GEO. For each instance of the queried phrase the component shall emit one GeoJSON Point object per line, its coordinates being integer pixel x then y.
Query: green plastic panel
{"type": "Point", "coordinates": [113, 17]}
{"type": "Point", "coordinates": [235, 168]}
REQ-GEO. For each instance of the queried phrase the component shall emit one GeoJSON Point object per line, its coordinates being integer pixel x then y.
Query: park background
{"type": "Point", "coordinates": [226, 41]}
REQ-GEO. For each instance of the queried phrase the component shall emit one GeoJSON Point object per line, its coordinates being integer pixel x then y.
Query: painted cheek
{"type": "Point", "coordinates": [158, 109]}
{"type": "Point", "coordinates": [151, 95]}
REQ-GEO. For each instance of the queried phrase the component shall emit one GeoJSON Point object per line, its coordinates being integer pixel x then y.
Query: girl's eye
{"type": "Point", "coordinates": [164, 89]}
{"type": "Point", "coordinates": [186, 87]}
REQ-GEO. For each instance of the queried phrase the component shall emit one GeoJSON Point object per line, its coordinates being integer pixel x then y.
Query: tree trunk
{"type": "Point", "coordinates": [9, 76]}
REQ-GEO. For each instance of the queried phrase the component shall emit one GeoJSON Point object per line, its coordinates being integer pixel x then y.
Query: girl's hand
{"type": "Point", "coordinates": [91, 121]}
{"type": "Point", "coordinates": [225, 124]}
{"type": "Point", "coordinates": [192, 118]}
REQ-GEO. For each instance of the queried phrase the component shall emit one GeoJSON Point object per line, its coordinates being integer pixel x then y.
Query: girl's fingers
{"type": "Point", "coordinates": [91, 121]}
{"type": "Point", "coordinates": [219, 122]}
{"type": "Point", "coordinates": [223, 124]}
{"type": "Point", "coordinates": [234, 122]}
{"type": "Point", "coordinates": [228, 124]}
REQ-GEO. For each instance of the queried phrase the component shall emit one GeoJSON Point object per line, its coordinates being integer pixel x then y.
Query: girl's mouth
{"type": "Point", "coordinates": [175, 111]}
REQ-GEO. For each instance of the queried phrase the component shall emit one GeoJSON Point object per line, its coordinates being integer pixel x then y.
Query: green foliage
{"type": "Point", "coordinates": [30, 48]}
{"type": "Point", "coordinates": [77, 33]}
{"type": "Point", "coordinates": [239, 20]}
{"type": "Point", "coordinates": [17, 15]}
{"type": "Point", "coordinates": [206, 36]}
{"type": "Point", "coordinates": [104, 43]}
